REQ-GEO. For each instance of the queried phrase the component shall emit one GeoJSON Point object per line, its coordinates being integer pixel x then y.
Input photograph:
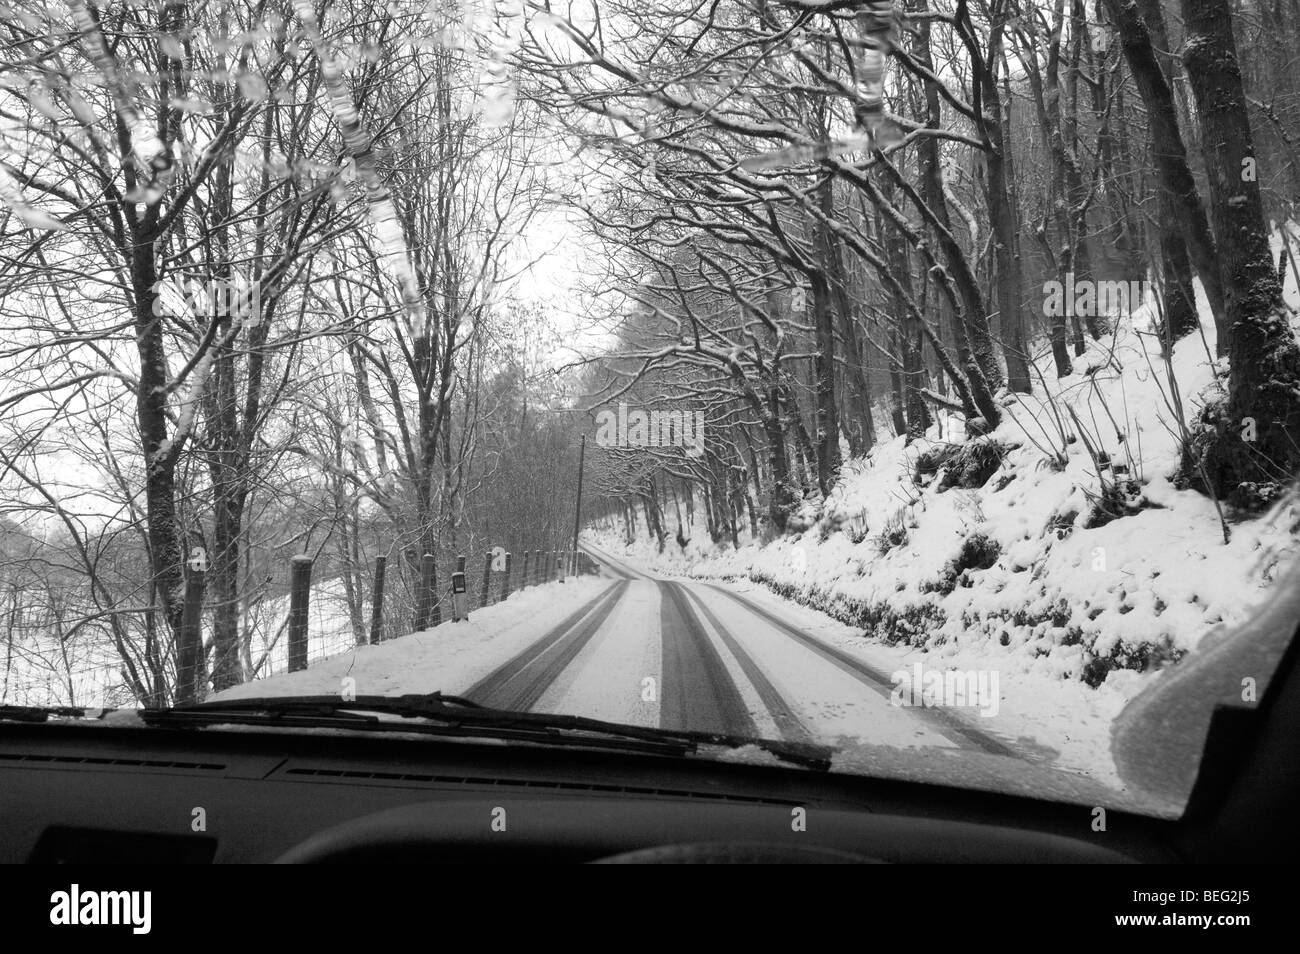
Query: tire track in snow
{"type": "Point", "coordinates": [600, 556]}
{"type": "Point", "coordinates": [696, 691]}
{"type": "Point", "coordinates": [962, 734]}
{"type": "Point", "coordinates": [706, 673]}
{"type": "Point", "coordinates": [520, 681]}
{"type": "Point", "coordinates": [792, 729]}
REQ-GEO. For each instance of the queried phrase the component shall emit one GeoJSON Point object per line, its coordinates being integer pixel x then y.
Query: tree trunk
{"type": "Point", "coordinates": [973, 315]}
{"type": "Point", "coordinates": [861, 428]}
{"type": "Point", "coordinates": [1256, 439]}
{"type": "Point", "coordinates": [1080, 191]}
{"type": "Point", "coordinates": [166, 549]}
{"type": "Point", "coordinates": [915, 412]}
{"type": "Point", "coordinates": [1180, 317]}
{"type": "Point", "coordinates": [997, 192]}
{"type": "Point", "coordinates": [1136, 32]}
{"type": "Point", "coordinates": [828, 428]}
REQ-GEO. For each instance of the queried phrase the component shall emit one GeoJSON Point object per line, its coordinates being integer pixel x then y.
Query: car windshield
{"type": "Point", "coordinates": [902, 389]}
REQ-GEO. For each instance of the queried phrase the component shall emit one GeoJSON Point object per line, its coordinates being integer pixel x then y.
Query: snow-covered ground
{"type": "Point", "coordinates": [788, 687]}
{"type": "Point", "coordinates": [1040, 718]}
{"type": "Point", "coordinates": [1076, 614]}
{"type": "Point", "coordinates": [449, 657]}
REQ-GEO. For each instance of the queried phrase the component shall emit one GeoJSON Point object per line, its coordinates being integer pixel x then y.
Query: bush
{"type": "Point", "coordinates": [1061, 523]}
{"type": "Point", "coordinates": [973, 464]}
{"type": "Point", "coordinates": [852, 526]}
{"type": "Point", "coordinates": [894, 533]}
{"type": "Point", "coordinates": [912, 625]}
{"type": "Point", "coordinates": [978, 551]}
{"type": "Point", "coordinates": [1121, 498]}
{"type": "Point", "coordinates": [929, 462]}
{"type": "Point", "coordinates": [1255, 497]}
{"type": "Point", "coordinates": [1137, 658]}
{"type": "Point", "coordinates": [856, 529]}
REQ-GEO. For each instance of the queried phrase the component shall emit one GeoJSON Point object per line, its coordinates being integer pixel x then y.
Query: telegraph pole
{"type": "Point", "coordinates": [577, 507]}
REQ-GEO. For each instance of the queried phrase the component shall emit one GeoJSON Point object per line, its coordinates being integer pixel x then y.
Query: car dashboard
{"type": "Point", "coordinates": [73, 793]}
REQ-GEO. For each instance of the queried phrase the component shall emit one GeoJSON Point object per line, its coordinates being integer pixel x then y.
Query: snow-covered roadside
{"type": "Point", "coordinates": [1063, 725]}
{"type": "Point", "coordinates": [450, 657]}
{"type": "Point", "coordinates": [1018, 567]}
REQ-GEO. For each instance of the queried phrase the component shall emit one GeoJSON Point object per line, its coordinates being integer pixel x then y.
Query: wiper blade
{"type": "Point", "coordinates": [434, 707]}
{"type": "Point", "coordinates": [419, 705]}
{"type": "Point", "coordinates": [438, 713]}
{"type": "Point", "coordinates": [40, 713]}
{"type": "Point", "coordinates": [431, 714]}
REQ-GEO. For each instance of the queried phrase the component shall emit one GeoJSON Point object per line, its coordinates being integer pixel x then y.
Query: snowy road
{"type": "Point", "coordinates": [686, 655]}
{"type": "Point", "coordinates": [628, 647]}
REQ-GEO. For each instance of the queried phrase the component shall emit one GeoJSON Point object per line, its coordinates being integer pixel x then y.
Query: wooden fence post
{"type": "Point", "coordinates": [377, 602]}
{"type": "Point", "coordinates": [505, 583]}
{"type": "Point", "coordinates": [299, 593]}
{"type": "Point", "coordinates": [424, 593]}
{"type": "Point", "coordinates": [523, 577]}
{"type": "Point", "coordinates": [435, 598]}
{"type": "Point", "coordinates": [487, 579]}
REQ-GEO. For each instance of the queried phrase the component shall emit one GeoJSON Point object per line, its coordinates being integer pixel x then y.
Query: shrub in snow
{"type": "Point", "coordinates": [1061, 523]}
{"type": "Point", "coordinates": [856, 529]}
{"type": "Point", "coordinates": [1120, 498]}
{"type": "Point", "coordinates": [968, 465]}
{"type": "Point", "coordinates": [929, 462]}
{"type": "Point", "coordinates": [852, 524]}
{"type": "Point", "coordinates": [894, 533]}
{"type": "Point", "coordinates": [1140, 658]}
{"type": "Point", "coordinates": [1252, 496]}
{"type": "Point", "coordinates": [913, 624]}
{"type": "Point", "coordinates": [978, 551]}
{"type": "Point", "coordinates": [780, 587]}
{"type": "Point", "coordinates": [973, 464]}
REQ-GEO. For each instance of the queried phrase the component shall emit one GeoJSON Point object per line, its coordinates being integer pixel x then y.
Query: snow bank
{"type": "Point", "coordinates": [1029, 567]}
{"type": "Point", "coordinates": [450, 657]}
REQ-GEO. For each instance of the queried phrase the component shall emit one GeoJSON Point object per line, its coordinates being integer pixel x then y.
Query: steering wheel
{"type": "Point", "coordinates": [419, 833]}
{"type": "Point", "coordinates": [737, 853]}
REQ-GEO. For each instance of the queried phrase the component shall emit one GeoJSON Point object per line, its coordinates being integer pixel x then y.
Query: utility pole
{"type": "Point", "coordinates": [577, 507]}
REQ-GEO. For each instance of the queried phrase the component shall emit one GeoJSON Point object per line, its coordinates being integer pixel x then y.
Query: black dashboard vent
{"type": "Point", "coordinates": [575, 787]}
{"type": "Point", "coordinates": [37, 758]}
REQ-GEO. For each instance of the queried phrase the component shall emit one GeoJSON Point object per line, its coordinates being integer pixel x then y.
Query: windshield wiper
{"type": "Point", "coordinates": [43, 713]}
{"type": "Point", "coordinates": [438, 714]}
